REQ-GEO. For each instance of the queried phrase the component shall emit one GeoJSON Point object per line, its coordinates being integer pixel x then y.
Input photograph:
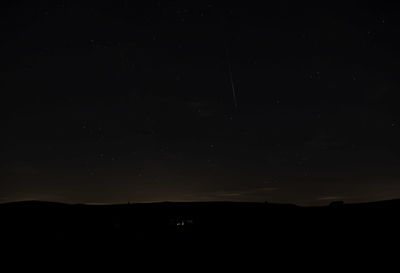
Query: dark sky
{"type": "Point", "coordinates": [116, 101]}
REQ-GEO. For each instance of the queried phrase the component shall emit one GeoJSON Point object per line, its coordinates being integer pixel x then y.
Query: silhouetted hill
{"type": "Point", "coordinates": [215, 225]}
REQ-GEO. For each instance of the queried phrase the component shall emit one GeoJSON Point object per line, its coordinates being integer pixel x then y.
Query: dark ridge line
{"type": "Point", "coordinates": [337, 203]}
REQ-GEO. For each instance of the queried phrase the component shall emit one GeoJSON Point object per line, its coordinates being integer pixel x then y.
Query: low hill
{"type": "Point", "coordinates": [182, 229]}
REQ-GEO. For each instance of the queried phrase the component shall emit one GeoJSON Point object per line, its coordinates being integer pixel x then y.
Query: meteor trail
{"type": "Point", "coordinates": [232, 82]}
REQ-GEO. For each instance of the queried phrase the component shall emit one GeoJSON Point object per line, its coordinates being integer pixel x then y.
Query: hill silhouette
{"type": "Point", "coordinates": [196, 223]}
{"type": "Point", "coordinates": [197, 233]}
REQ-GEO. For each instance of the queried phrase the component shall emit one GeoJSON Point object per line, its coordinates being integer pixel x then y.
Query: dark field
{"type": "Point", "coordinates": [186, 225]}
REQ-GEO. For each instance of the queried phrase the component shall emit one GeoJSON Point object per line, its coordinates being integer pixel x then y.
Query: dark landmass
{"type": "Point", "coordinates": [185, 236]}
{"type": "Point", "coordinates": [185, 225]}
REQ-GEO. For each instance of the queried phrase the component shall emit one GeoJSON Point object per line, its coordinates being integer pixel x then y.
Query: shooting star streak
{"type": "Point", "coordinates": [232, 82]}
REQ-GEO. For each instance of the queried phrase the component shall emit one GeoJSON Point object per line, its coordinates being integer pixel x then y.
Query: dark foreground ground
{"type": "Point", "coordinates": [181, 228]}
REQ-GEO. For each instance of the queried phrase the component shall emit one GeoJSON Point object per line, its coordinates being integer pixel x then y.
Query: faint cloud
{"type": "Point", "coordinates": [267, 189]}
{"type": "Point", "coordinates": [229, 194]}
{"type": "Point", "coordinates": [329, 198]}
{"type": "Point", "coordinates": [245, 194]}
{"type": "Point", "coordinates": [4, 199]}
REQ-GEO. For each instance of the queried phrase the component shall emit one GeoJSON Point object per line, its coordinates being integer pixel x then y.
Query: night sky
{"type": "Point", "coordinates": [115, 101]}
